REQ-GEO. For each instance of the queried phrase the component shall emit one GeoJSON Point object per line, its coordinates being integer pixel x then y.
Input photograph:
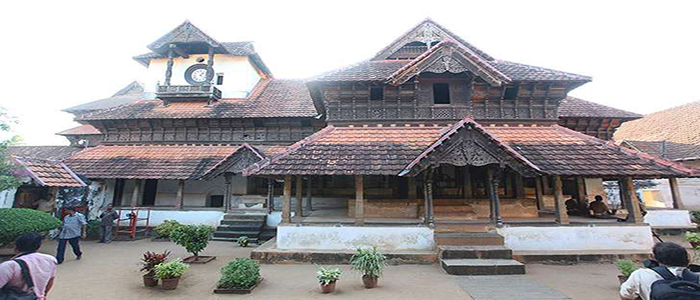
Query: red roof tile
{"type": "Point", "coordinates": [49, 173]}
{"type": "Point", "coordinates": [680, 124]}
{"type": "Point", "coordinates": [80, 130]}
{"type": "Point", "coordinates": [571, 107]}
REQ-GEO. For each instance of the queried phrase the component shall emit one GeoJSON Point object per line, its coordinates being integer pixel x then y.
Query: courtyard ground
{"type": "Point", "coordinates": [111, 272]}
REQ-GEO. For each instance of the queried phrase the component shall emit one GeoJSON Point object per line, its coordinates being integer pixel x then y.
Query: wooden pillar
{"type": "Point", "coordinates": [412, 193]}
{"type": "Point", "coordinates": [519, 186]}
{"type": "Point", "coordinates": [287, 200]}
{"type": "Point", "coordinates": [467, 184]}
{"type": "Point", "coordinates": [227, 197]}
{"type": "Point", "coordinates": [560, 215]}
{"type": "Point", "coordinates": [136, 194]}
{"type": "Point", "coordinates": [429, 219]}
{"type": "Point", "coordinates": [180, 194]}
{"type": "Point", "coordinates": [298, 205]}
{"type": "Point", "coordinates": [635, 213]}
{"type": "Point", "coordinates": [547, 186]}
{"type": "Point", "coordinates": [359, 201]}
{"type": "Point", "coordinates": [309, 206]}
{"type": "Point", "coordinates": [581, 191]}
{"type": "Point", "coordinates": [495, 201]}
{"type": "Point", "coordinates": [270, 195]}
{"type": "Point", "coordinates": [169, 66]}
{"type": "Point", "coordinates": [538, 193]}
{"type": "Point", "coordinates": [675, 193]}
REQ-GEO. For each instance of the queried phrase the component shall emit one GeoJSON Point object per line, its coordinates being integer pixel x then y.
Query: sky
{"type": "Point", "coordinates": [644, 56]}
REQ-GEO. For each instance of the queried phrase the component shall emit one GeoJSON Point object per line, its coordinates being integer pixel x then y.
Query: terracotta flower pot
{"type": "Point", "coordinates": [328, 288]}
{"type": "Point", "coordinates": [369, 282]}
{"type": "Point", "coordinates": [150, 281]}
{"type": "Point", "coordinates": [170, 283]}
{"type": "Point", "coordinates": [622, 278]}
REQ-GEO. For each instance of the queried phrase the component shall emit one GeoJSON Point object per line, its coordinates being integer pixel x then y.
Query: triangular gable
{"type": "Point", "coordinates": [235, 163]}
{"type": "Point", "coordinates": [466, 143]}
{"type": "Point", "coordinates": [426, 32]}
{"type": "Point", "coordinates": [49, 173]}
{"type": "Point", "coordinates": [445, 57]}
{"type": "Point", "coordinates": [185, 33]}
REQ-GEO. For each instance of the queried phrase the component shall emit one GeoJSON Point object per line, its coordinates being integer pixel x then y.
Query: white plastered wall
{"type": "Point", "coordinates": [239, 74]}
{"type": "Point", "coordinates": [350, 238]}
{"type": "Point", "coordinates": [578, 239]}
{"type": "Point", "coordinates": [7, 198]}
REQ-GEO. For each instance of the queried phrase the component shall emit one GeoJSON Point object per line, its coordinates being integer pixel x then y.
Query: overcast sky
{"type": "Point", "coordinates": [644, 56]}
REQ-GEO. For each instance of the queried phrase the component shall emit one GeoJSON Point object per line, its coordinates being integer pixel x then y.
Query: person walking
{"type": "Point", "coordinates": [41, 270]}
{"type": "Point", "coordinates": [72, 230]}
{"type": "Point", "coordinates": [107, 218]}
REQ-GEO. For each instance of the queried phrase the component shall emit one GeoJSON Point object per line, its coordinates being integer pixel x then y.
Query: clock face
{"type": "Point", "coordinates": [199, 74]}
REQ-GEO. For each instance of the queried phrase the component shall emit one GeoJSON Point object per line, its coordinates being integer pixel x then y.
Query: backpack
{"type": "Point", "coordinates": [12, 293]}
{"type": "Point", "coordinates": [671, 287]}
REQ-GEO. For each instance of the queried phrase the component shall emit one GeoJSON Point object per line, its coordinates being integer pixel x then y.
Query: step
{"type": "Point", "coordinates": [244, 222]}
{"type": "Point", "coordinates": [254, 228]}
{"type": "Point", "coordinates": [236, 234]}
{"type": "Point", "coordinates": [233, 240]}
{"type": "Point", "coordinates": [468, 239]}
{"type": "Point", "coordinates": [473, 252]}
{"type": "Point", "coordinates": [482, 266]}
{"type": "Point", "coordinates": [266, 235]}
{"type": "Point", "coordinates": [259, 217]}
{"type": "Point", "coordinates": [447, 227]}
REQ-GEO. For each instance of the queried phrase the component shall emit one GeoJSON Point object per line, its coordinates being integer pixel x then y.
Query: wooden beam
{"type": "Point", "coordinates": [494, 200]}
{"type": "Point", "coordinates": [227, 197]}
{"type": "Point", "coordinates": [309, 206]}
{"type": "Point", "coordinates": [298, 204]}
{"type": "Point", "coordinates": [429, 218]}
{"type": "Point", "coordinates": [359, 201]}
{"type": "Point", "coordinates": [675, 193]}
{"type": "Point", "coordinates": [632, 204]}
{"type": "Point", "coordinates": [467, 184]}
{"type": "Point", "coordinates": [560, 215]}
{"type": "Point", "coordinates": [581, 191]}
{"type": "Point", "coordinates": [270, 195]}
{"type": "Point", "coordinates": [287, 200]}
{"type": "Point", "coordinates": [180, 194]}
{"type": "Point", "coordinates": [539, 193]}
{"type": "Point", "coordinates": [136, 194]}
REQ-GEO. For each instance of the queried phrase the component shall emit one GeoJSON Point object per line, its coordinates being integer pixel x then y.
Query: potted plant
{"type": "Point", "coordinates": [626, 268]}
{"type": "Point", "coordinates": [240, 276]}
{"type": "Point", "coordinates": [162, 232]}
{"type": "Point", "coordinates": [194, 238]}
{"type": "Point", "coordinates": [243, 241]}
{"type": "Point", "coordinates": [169, 273]}
{"type": "Point", "coordinates": [693, 238]}
{"type": "Point", "coordinates": [327, 278]}
{"type": "Point", "coordinates": [148, 265]}
{"type": "Point", "coordinates": [370, 262]}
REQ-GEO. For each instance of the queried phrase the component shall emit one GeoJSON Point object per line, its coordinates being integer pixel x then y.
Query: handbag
{"type": "Point", "coordinates": [14, 293]}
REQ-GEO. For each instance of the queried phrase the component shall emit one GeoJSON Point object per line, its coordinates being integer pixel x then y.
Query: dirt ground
{"type": "Point", "coordinates": [110, 272]}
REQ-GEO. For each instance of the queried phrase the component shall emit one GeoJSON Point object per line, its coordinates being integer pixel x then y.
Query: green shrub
{"type": "Point", "coordinates": [693, 237]}
{"type": "Point", "coordinates": [93, 229]}
{"type": "Point", "coordinates": [240, 273]}
{"type": "Point", "coordinates": [193, 237]}
{"type": "Point", "coordinates": [18, 221]}
{"type": "Point", "coordinates": [327, 276]}
{"type": "Point", "coordinates": [243, 241]}
{"type": "Point", "coordinates": [173, 269]}
{"type": "Point", "coordinates": [626, 266]}
{"type": "Point", "coordinates": [151, 259]}
{"type": "Point", "coordinates": [695, 215]}
{"type": "Point", "coordinates": [368, 261]}
{"type": "Point", "coordinates": [164, 230]}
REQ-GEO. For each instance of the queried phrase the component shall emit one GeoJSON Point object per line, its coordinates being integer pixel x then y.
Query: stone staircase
{"type": "Point", "coordinates": [472, 250]}
{"type": "Point", "coordinates": [235, 225]}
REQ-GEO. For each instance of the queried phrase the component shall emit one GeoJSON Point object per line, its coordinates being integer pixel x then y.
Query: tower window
{"type": "Point", "coordinates": [511, 93]}
{"type": "Point", "coordinates": [376, 92]}
{"type": "Point", "coordinates": [219, 78]}
{"type": "Point", "coordinates": [441, 93]}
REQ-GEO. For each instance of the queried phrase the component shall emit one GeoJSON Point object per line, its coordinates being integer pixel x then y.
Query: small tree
{"type": "Point", "coordinates": [7, 166]}
{"type": "Point", "coordinates": [193, 237]}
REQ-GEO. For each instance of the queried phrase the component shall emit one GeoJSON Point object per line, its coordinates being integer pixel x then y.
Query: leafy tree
{"type": "Point", "coordinates": [7, 167]}
{"type": "Point", "coordinates": [193, 237]}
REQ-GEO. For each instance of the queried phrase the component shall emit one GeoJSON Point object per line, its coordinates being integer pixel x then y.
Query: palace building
{"type": "Point", "coordinates": [431, 142]}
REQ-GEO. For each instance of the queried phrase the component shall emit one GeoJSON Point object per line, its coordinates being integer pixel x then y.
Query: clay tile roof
{"type": "Point", "coordinates": [80, 130]}
{"type": "Point", "coordinates": [671, 150]}
{"type": "Point", "coordinates": [571, 107]}
{"type": "Point", "coordinates": [679, 124]}
{"type": "Point", "coordinates": [271, 98]}
{"type": "Point", "coordinates": [148, 161]}
{"type": "Point", "coordinates": [48, 173]}
{"type": "Point", "coordinates": [43, 152]}
{"type": "Point", "coordinates": [132, 92]}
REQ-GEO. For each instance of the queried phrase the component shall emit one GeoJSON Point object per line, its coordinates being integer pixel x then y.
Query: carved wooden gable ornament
{"type": "Point", "coordinates": [185, 33]}
{"type": "Point", "coordinates": [235, 163]}
{"type": "Point", "coordinates": [467, 144]}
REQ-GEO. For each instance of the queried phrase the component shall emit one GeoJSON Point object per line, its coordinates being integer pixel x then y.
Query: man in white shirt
{"type": "Point", "coordinates": [669, 255]}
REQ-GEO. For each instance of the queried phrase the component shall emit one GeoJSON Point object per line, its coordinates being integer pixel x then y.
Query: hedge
{"type": "Point", "coordinates": [17, 221]}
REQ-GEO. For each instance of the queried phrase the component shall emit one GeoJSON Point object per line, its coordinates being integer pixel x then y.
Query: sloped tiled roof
{"type": "Point", "coordinates": [553, 150]}
{"type": "Point", "coordinates": [155, 161]}
{"type": "Point", "coordinates": [43, 152]}
{"type": "Point", "coordinates": [571, 107]}
{"type": "Point", "coordinates": [271, 98]}
{"type": "Point", "coordinates": [48, 173]}
{"type": "Point", "coordinates": [130, 93]}
{"type": "Point", "coordinates": [80, 130]}
{"type": "Point", "coordinates": [679, 124]}
{"type": "Point", "coordinates": [671, 150]}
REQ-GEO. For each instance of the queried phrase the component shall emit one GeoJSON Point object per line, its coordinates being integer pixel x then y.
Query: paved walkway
{"type": "Point", "coordinates": [507, 287]}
